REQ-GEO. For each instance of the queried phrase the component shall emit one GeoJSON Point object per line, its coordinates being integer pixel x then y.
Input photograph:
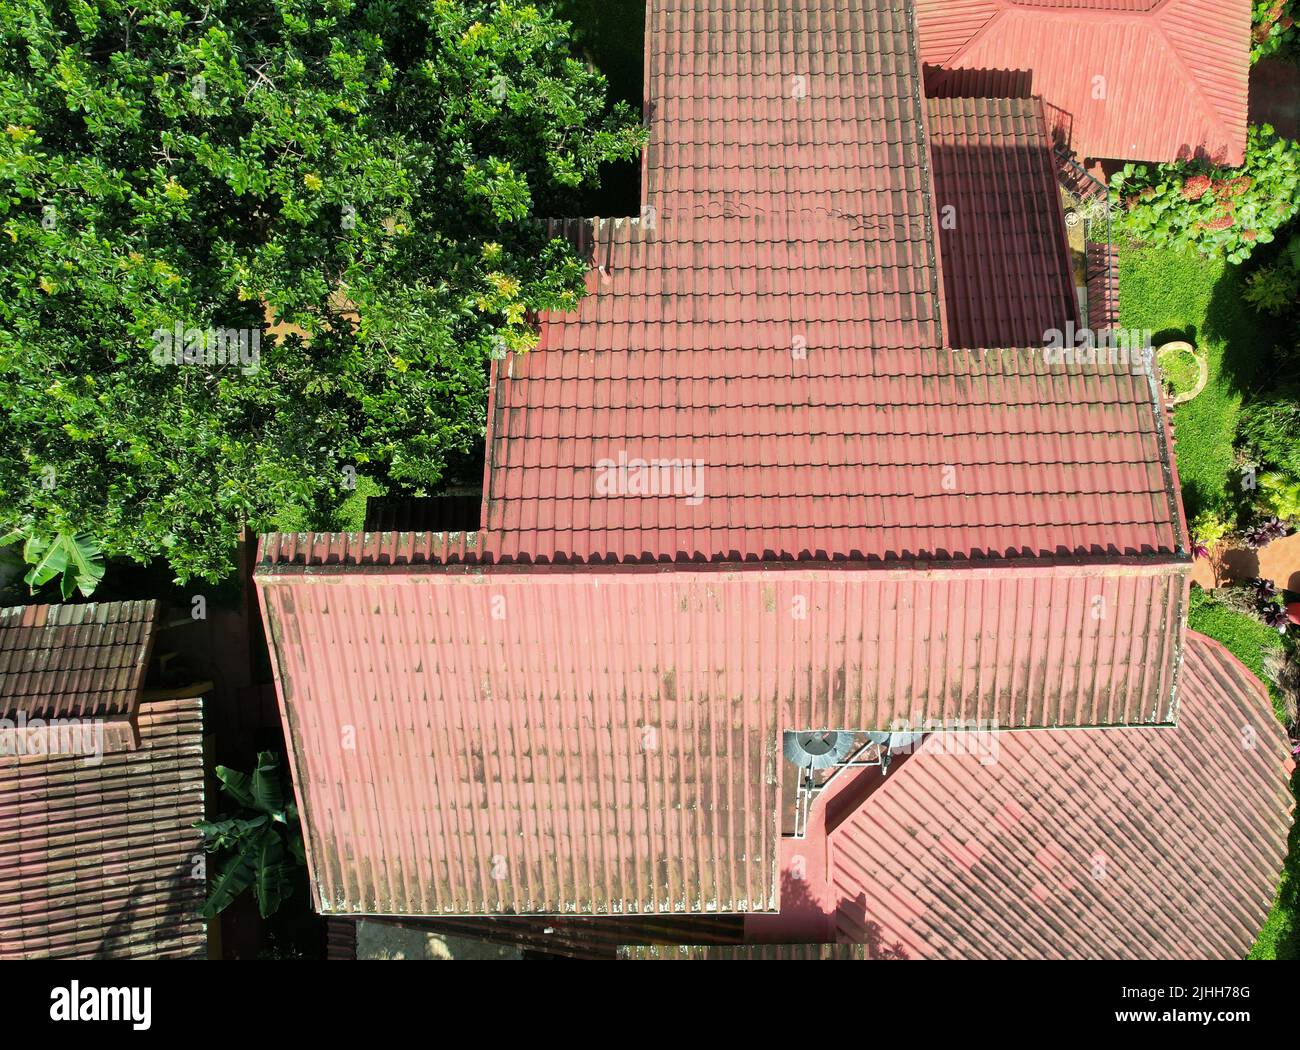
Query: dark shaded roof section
{"type": "Point", "coordinates": [98, 855]}
{"type": "Point", "coordinates": [74, 660]}
{"type": "Point", "coordinates": [1006, 261]}
{"type": "Point", "coordinates": [571, 937]}
{"type": "Point", "coordinates": [457, 513]}
{"type": "Point", "coordinates": [756, 952]}
{"type": "Point", "coordinates": [1103, 286]}
{"type": "Point", "coordinates": [1140, 844]}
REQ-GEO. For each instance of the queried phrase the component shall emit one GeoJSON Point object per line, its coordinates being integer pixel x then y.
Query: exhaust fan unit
{"type": "Point", "coordinates": [818, 750]}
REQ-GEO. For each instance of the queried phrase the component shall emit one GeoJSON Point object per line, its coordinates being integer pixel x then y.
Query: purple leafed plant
{"type": "Point", "coordinates": [1262, 533]}
{"type": "Point", "coordinates": [1199, 549]}
{"type": "Point", "coordinates": [1275, 617]}
{"type": "Point", "coordinates": [1264, 589]}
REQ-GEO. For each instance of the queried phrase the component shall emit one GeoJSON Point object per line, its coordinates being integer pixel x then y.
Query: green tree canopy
{"type": "Point", "coordinates": [373, 171]}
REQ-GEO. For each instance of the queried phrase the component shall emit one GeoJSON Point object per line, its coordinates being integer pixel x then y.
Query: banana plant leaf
{"type": "Point", "coordinates": [273, 881]}
{"type": "Point", "coordinates": [262, 791]}
{"type": "Point", "coordinates": [222, 834]}
{"type": "Point", "coordinates": [77, 560]}
{"type": "Point", "coordinates": [268, 791]}
{"type": "Point", "coordinates": [235, 876]}
{"type": "Point", "coordinates": [266, 847]}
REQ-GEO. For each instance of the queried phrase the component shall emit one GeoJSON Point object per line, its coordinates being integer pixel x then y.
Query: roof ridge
{"type": "Point", "coordinates": [349, 552]}
{"type": "Point", "coordinates": [1185, 67]}
{"type": "Point", "coordinates": [950, 63]}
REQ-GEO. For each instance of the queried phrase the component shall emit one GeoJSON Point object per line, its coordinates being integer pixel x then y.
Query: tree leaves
{"type": "Point", "coordinates": [76, 561]}
{"type": "Point", "coordinates": [343, 164]}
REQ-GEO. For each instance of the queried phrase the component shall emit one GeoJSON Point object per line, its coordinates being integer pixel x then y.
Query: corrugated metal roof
{"type": "Point", "coordinates": [1028, 645]}
{"type": "Point", "coordinates": [1123, 79]}
{"type": "Point", "coordinates": [74, 660]}
{"type": "Point", "coordinates": [1006, 259]}
{"type": "Point", "coordinates": [606, 741]}
{"type": "Point", "coordinates": [478, 749]}
{"type": "Point", "coordinates": [709, 952]}
{"type": "Point", "coordinates": [98, 860]}
{"type": "Point", "coordinates": [1140, 844]}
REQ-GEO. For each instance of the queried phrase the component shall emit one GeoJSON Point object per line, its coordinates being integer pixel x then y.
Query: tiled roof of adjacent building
{"type": "Point", "coordinates": [1133, 844]}
{"type": "Point", "coordinates": [74, 660]}
{"type": "Point", "coordinates": [98, 856]}
{"type": "Point", "coordinates": [1153, 80]}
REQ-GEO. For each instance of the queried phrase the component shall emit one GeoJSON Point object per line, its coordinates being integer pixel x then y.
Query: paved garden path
{"type": "Point", "coordinates": [1279, 562]}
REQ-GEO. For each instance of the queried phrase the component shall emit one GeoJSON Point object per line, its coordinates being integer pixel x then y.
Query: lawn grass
{"type": "Point", "coordinates": [1248, 640]}
{"type": "Point", "coordinates": [1171, 292]}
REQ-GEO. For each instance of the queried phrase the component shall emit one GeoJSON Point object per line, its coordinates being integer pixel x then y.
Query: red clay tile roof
{"type": "Point", "coordinates": [1173, 73]}
{"type": "Point", "coordinates": [1006, 261]}
{"type": "Point", "coordinates": [775, 319]}
{"type": "Point", "coordinates": [97, 860]}
{"type": "Point", "coordinates": [477, 743]}
{"type": "Point", "coordinates": [464, 748]}
{"type": "Point", "coordinates": [1140, 844]}
{"type": "Point", "coordinates": [74, 660]}
{"type": "Point", "coordinates": [787, 169]}
{"type": "Point", "coordinates": [871, 455]}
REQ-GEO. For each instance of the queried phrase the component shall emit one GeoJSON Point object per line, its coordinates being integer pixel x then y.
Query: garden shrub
{"type": "Point", "coordinates": [1217, 211]}
{"type": "Point", "coordinates": [1281, 494]}
{"type": "Point", "coordinates": [1273, 29]}
{"type": "Point", "coordinates": [1270, 427]}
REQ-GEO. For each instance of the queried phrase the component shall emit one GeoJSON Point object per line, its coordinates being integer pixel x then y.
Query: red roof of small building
{"type": "Point", "coordinates": [1006, 259]}
{"type": "Point", "coordinates": [1092, 844]}
{"type": "Point", "coordinates": [1153, 80]}
{"type": "Point", "coordinates": [98, 857]}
